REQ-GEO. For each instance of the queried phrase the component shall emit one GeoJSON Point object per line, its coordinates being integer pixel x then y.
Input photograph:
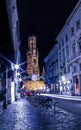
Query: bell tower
{"type": "Point", "coordinates": [32, 57]}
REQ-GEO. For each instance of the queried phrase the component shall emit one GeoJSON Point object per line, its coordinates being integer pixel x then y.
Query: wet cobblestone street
{"type": "Point", "coordinates": [21, 115]}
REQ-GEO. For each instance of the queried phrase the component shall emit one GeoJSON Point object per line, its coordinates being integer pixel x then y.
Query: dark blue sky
{"type": "Point", "coordinates": [45, 19]}
{"type": "Point", "coordinates": [5, 40]}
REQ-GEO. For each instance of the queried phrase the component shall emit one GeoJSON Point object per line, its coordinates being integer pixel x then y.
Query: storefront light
{"type": "Point", "coordinates": [56, 84]}
{"type": "Point", "coordinates": [60, 82]}
{"type": "Point", "coordinates": [68, 81]}
{"type": "Point", "coordinates": [63, 78]}
{"type": "Point", "coordinates": [64, 82]}
{"type": "Point", "coordinates": [61, 88]}
{"type": "Point", "coordinates": [41, 88]}
{"type": "Point", "coordinates": [35, 88]}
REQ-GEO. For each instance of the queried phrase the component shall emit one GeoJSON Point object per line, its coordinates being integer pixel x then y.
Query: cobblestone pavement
{"type": "Point", "coordinates": [21, 115]}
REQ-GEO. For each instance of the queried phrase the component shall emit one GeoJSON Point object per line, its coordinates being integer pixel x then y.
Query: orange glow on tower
{"type": "Point", "coordinates": [32, 57]}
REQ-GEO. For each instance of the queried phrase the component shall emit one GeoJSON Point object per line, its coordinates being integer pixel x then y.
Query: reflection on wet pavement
{"type": "Point", "coordinates": [23, 116]}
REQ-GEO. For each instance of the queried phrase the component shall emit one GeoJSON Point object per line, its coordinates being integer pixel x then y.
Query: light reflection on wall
{"type": "Point", "coordinates": [12, 92]}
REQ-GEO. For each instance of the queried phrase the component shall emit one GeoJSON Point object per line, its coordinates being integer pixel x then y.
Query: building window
{"type": "Point", "coordinates": [59, 46]}
{"type": "Point", "coordinates": [13, 8]}
{"type": "Point", "coordinates": [66, 38]}
{"type": "Point", "coordinates": [72, 31]}
{"type": "Point", "coordinates": [67, 50]}
{"type": "Point", "coordinates": [34, 61]}
{"type": "Point", "coordinates": [79, 44]}
{"type": "Point", "coordinates": [63, 52]}
{"type": "Point", "coordinates": [75, 68]}
{"type": "Point", "coordinates": [80, 66]}
{"type": "Point", "coordinates": [60, 56]}
{"type": "Point", "coordinates": [77, 25]}
{"type": "Point", "coordinates": [68, 69]}
{"type": "Point", "coordinates": [34, 47]}
{"type": "Point", "coordinates": [73, 49]}
{"type": "Point", "coordinates": [62, 42]}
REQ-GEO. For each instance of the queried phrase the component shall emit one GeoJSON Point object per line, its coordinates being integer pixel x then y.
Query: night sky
{"type": "Point", "coordinates": [6, 47]}
{"type": "Point", "coordinates": [45, 19]}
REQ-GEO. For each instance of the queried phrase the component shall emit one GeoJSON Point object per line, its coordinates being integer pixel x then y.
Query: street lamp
{"type": "Point", "coordinates": [17, 74]}
{"type": "Point", "coordinates": [15, 78]}
{"type": "Point", "coordinates": [20, 79]}
{"type": "Point", "coordinates": [16, 66]}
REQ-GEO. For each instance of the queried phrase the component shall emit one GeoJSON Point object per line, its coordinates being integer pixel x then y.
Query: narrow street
{"type": "Point", "coordinates": [21, 115]}
{"type": "Point", "coordinates": [40, 65]}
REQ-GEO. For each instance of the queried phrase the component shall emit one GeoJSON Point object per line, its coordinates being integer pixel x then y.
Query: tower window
{"type": "Point", "coordinates": [34, 47]}
{"type": "Point", "coordinates": [34, 61]}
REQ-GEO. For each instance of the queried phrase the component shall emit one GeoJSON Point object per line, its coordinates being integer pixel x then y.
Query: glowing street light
{"type": "Point", "coordinates": [16, 66]}
{"type": "Point", "coordinates": [20, 79]}
{"type": "Point", "coordinates": [17, 74]}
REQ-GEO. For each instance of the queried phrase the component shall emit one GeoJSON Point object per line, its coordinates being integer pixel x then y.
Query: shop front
{"type": "Point", "coordinates": [76, 84]}
{"type": "Point", "coordinates": [65, 84]}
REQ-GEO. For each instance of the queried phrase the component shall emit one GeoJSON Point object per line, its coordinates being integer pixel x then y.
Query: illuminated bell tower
{"type": "Point", "coordinates": [32, 57]}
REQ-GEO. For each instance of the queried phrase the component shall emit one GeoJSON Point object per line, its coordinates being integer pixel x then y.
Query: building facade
{"type": "Point", "coordinates": [12, 82]}
{"type": "Point", "coordinates": [32, 57]}
{"type": "Point", "coordinates": [14, 28]}
{"type": "Point", "coordinates": [70, 52]}
{"type": "Point", "coordinates": [69, 55]}
{"type": "Point", "coordinates": [51, 68]}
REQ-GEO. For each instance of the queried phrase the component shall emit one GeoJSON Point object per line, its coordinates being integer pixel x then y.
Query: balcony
{"type": "Point", "coordinates": [74, 58]}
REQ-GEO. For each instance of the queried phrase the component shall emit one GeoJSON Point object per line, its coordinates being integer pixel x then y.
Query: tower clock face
{"type": "Point", "coordinates": [34, 77]}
